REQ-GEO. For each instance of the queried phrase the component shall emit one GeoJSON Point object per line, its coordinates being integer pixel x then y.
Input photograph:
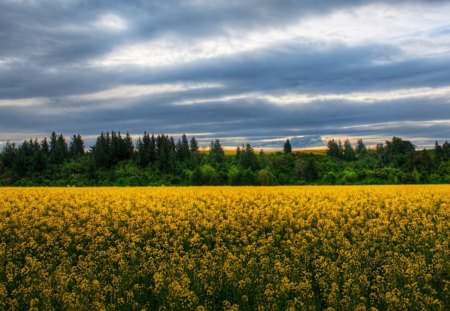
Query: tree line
{"type": "Point", "coordinates": [115, 159]}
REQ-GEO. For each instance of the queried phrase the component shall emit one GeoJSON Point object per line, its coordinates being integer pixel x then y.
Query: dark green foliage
{"type": "Point", "coordinates": [113, 161]}
{"type": "Point", "coordinates": [165, 154]}
{"type": "Point", "coordinates": [423, 162]}
{"type": "Point", "coordinates": [76, 148]}
{"type": "Point", "coordinates": [58, 149]}
{"type": "Point", "coordinates": [287, 148]}
{"type": "Point", "coordinates": [216, 155]}
{"type": "Point", "coordinates": [307, 169]}
{"type": "Point", "coordinates": [265, 177]}
{"type": "Point", "coordinates": [348, 153]}
{"type": "Point", "coordinates": [360, 149]}
{"type": "Point", "coordinates": [248, 159]}
{"type": "Point", "coordinates": [101, 153]}
{"type": "Point", "coordinates": [183, 151]}
{"type": "Point", "coordinates": [446, 151]}
{"type": "Point", "coordinates": [399, 153]}
{"type": "Point", "coordinates": [146, 150]}
{"type": "Point", "coordinates": [333, 149]}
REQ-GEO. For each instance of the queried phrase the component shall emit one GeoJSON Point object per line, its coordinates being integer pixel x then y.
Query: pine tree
{"type": "Point", "coordinates": [45, 148]}
{"type": "Point", "coordinates": [194, 145]}
{"type": "Point", "coordinates": [76, 148]}
{"type": "Point", "coordinates": [126, 147]}
{"type": "Point", "coordinates": [237, 157]}
{"type": "Point", "coordinates": [445, 151]}
{"type": "Point", "coordinates": [100, 152]}
{"type": "Point", "coordinates": [348, 153]}
{"type": "Point", "coordinates": [216, 154]}
{"type": "Point", "coordinates": [249, 159]}
{"type": "Point", "coordinates": [195, 153]}
{"type": "Point", "coordinates": [340, 150]}
{"type": "Point", "coordinates": [333, 149]}
{"type": "Point", "coordinates": [438, 153]}
{"type": "Point", "coordinates": [58, 149]}
{"type": "Point", "coordinates": [53, 144]}
{"type": "Point", "coordinates": [287, 148]}
{"type": "Point", "coordinates": [39, 161]}
{"type": "Point", "coordinates": [182, 149]}
{"type": "Point", "coordinates": [9, 153]}
{"type": "Point", "coordinates": [360, 150]}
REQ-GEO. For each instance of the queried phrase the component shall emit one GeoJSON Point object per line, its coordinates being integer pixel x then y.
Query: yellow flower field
{"type": "Point", "coordinates": [209, 248]}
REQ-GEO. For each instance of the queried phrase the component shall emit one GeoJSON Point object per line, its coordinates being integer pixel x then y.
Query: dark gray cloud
{"type": "Point", "coordinates": [49, 55]}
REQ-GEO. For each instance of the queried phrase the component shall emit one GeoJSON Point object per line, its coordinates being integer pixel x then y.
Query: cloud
{"type": "Point", "coordinates": [376, 23]}
{"type": "Point", "coordinates": [238, 70]}
{"type": "Point", "coordinates": [110, 22]}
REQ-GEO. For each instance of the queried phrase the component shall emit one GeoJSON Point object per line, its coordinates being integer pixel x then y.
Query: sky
{"type": "Point", "coordinates": [256, 71]}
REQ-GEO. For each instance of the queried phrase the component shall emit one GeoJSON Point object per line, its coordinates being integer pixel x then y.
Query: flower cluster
{"type": "Point", "coordinates": [243, 248]}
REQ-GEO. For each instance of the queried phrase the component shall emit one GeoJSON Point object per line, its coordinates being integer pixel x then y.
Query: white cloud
{"type": "Point", "coordinates": [417, 29]}
{"type": "Point", "coordinates": [356, 97]}
{"type": "Point", "coordinates": [134, 91]}
{"type": "Point", "coordinates": [111, 22]}
{"type": "Point", "coordinates": [23, 102]}
{"type": "Point", "coordinates": [363, 97]}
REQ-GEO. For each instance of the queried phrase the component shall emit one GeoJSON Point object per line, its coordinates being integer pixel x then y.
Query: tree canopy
{"type": "Point", "coordinates": [115, 159]}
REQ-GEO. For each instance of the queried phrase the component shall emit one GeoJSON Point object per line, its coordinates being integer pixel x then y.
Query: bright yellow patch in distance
{"type": "Point", "coordinates": [272, 248]}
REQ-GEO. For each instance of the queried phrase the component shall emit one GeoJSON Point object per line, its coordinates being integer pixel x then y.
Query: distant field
{"type": "Point", "coordinates": [246, 248]}
{"type": "Point", "coordinates": [319, 151]}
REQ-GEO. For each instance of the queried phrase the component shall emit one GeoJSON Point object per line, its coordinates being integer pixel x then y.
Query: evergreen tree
{"type": "Point", "coordinates": [39, 161]}
{"type": "Point", "coordinates": [249, 159]}
{"type": "Point", "coordinates": [143, 148]}
{"type": "Point", "coordinates": [53, 148]}
{"type": "Point", "coordinates": [379, 151]}
{"type": "Point", "coordinates": [58, 149]}
{"type": "Point", "coordinates": [332, 149]}
{"type": "Point", "coordinates": [216, 154]}
{"type": "Point", "coordinates": [182, 149]}
{"type": "Point", "coordinates": [76, 148]}
{"type": "Point", "coordinates": [152, 149]}
{"type": "Point", "coordinates": [348, 153]}
{"type": "Point", "coordinates": [128, 147]}
{"type": "Point", "coordinates": [45, 148]}
{"type": "Point", "coordinates": [165, 148]}
{"type": "Point", "coordinates": [194, 151]}
{"type": "Point", "coordinates": [445, 151]}
{"type": "Point", "coordinates": [194, 145]}
{"type": "Point", "coordinates": [146, 150]}
{"type": "Point", "coordinates": [360, 150]}
{"type": "Point", "coordinates": [20, 164]}
{"type": "Point", "coordinates": [9, 153]}
{"type": "Point", "coordinates": [287, 148]}
{"type": "Point", "coordinates": [100, 152]}
{"type": "Point", "coordinates": [341, 150]}
{"type": "Point", "coordinates": [438, 153]}
{"type": "Point", "coordinates": [237, 157]}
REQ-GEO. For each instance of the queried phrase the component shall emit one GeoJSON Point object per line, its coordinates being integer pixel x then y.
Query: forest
{"type": "Point", "coordinates": [155, 160]}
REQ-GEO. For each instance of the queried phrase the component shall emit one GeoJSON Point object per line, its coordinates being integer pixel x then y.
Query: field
{"type": "Point", "coordinates": [316, 151]}
{"type": "Point", "coordinates": [274, 248]}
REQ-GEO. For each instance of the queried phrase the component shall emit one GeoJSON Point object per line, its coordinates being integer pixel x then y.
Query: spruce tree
{"type": "Point", "coordinates": [287, 148]}
{"type": "Point", "coordinates": [438, 153]}
{"type": "Point", "coordinates": [360, 149]}
{"type": "Point", "coordinates": [349, 153]}
{"type": "Point", "coordinates": [76, 148]}
{"type": "Point", "coordinates": [333, 149]}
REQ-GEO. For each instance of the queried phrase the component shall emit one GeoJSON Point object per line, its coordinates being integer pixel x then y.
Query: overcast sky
{"type": "Point", "coordinates": [242, 71]}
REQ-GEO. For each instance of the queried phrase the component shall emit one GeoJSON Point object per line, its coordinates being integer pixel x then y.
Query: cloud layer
{"type": "Point", "coordinates": [243, 71]}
